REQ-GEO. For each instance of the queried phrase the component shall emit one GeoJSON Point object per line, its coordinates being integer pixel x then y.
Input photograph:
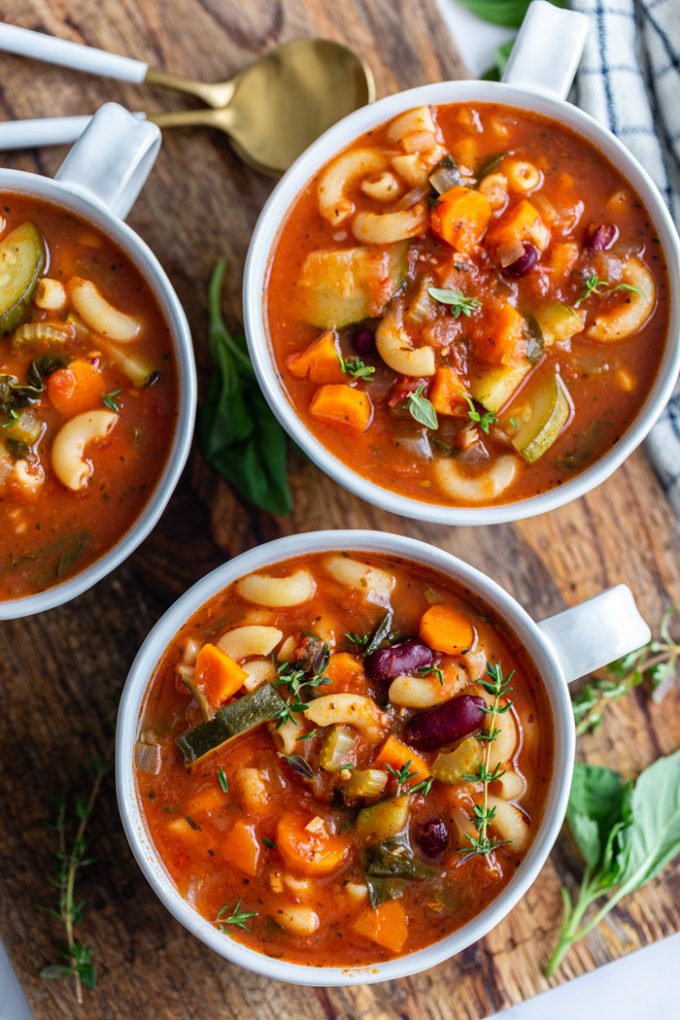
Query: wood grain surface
{"type": "Point", "coordinates": [62, 672]}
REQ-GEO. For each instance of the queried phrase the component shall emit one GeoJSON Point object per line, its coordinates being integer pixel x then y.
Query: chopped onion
{"type": "Point", "coordinates": [445, 176]}
{"type": "Point", "coordinates": [509, 253]}
{"type": "Point", "coordinates": [475, 453]}
{"type": "Point", "coordinates": [412, 197]}
{"type": "Point", "coordinates": [148, 758]}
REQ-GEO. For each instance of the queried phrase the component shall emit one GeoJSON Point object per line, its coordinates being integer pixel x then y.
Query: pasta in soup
{"type": "Point", "coordinates": [468, 305]}
{"type": "Point", "coordinates": [88, 394]}
{"type": "Point", "coordinates": [343, 758]}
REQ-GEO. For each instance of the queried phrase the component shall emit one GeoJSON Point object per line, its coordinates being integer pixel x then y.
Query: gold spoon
{"type": "Point", "coordinates": [271, 110]}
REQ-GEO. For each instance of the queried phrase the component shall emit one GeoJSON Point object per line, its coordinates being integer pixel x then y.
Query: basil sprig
{"type": "Point", "coordinates": [241, 438]}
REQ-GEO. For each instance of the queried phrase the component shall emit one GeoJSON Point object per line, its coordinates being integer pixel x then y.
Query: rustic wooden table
{"type": "Point", "coordinates": [62, 672]}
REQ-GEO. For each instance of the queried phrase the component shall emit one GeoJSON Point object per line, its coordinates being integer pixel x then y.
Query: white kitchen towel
{"type": "Point", "coordinates": [629, 80]}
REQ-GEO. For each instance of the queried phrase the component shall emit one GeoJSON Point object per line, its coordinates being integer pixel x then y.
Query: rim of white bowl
{"type": "Point", "coordinates": [266, 235]}
{"type": "Point", "coordinates": [137, 250]}
{"type": "Point", "coordinates": [509, 610]}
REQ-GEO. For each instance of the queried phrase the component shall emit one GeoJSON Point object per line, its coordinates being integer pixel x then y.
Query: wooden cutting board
{"type": "Point", "coordinates": [62, 672]}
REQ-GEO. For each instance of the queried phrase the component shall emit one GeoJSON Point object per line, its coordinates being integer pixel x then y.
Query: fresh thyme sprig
{"type": "Point", "coordinates": [594, 285]}
{"type": "Point", "coordinates": [296, 679]}
{"type": "Point", "coordinates": [434, 671]}
{"type": "Point", "coordinates": [234, 917]}
{"type": "Point", "coordinates": [73, 853]}
{"type": "Point", "coordinates": [459, 303]}
{"type": "Point", "coordinates": [401, 775]}
{"type": "Point", "coordinates": [423, 787]}
{"type": "Point", "coordinates": [656, 664]}
{"type": "Point", "coordinates": [499, 687]}
{"type": "Point", "coordinates": [355, 367]}
{"type": "Point", "coordinates": [484, 419]}
{"type": "Point", "coordinates": [110, 400]}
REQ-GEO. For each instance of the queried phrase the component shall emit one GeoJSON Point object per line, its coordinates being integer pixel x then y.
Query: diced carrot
{"type": "Point", "coordinates": [501, 337]}
{"type": "Point", "coordinates": [342, 405]}
{"type": "Point", "coordinates": [77, 388]}
{"type": "Point", "coordinates": [217, 674]}
{"type": "Point", "coordinates": [562, 258]}
{"type": "Point", "coordinates": [319, 362]}
{"type": "Point", "coordinates": [396, 753]}
{"type": "Point", "coordinates": [521, 222]}
{"type": "Point", "coordinates": [314, 851]}
{"type": "Point", "coordinates": [206, 801]}
{"type": "Point", "coordinates": [386, 925]}
{"type": "Point", "coordinates": [447, 392]}
{"type": "Point", "coordinates": [446, 629]}
{"type": "Point", "coordinates": [242, 848]}
{"type": "Point", "coordinates": [461, 217]}
{"type": "Point", "coordinates": [345, 673]}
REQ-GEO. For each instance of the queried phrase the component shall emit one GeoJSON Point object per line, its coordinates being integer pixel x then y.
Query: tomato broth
{"type": "Point", "coordinates": [469, 305]}
{"type": "Point", "coordinates": [325, 811]}
{"type": "Point", "coordinates": [88, 394]}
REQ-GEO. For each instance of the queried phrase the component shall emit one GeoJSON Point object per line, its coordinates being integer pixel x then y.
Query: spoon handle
{"type": "Point", "coordinates": [29, 134]}
{"type": "Point", "coordinates": [40, 46]}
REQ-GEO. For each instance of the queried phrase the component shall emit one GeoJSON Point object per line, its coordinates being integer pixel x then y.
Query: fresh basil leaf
{"type": "Point", "coordinates": [241, 438]}
{"type": "Point", "coordinates": [654, 836]}
{"type": "Point", "coordinates": [503, 12]}
{"type": "Point", "coordinates": [380, 890]}
{"type": "Point", "coordinates": [595, 806]}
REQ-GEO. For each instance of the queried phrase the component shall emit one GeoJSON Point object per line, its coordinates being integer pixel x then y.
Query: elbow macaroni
{"type": "Point", "coordinates": [395, 348]}
{"type": "Point", "coordinates": [99, 314]}
{"type": "Point", "coordinates": [242, 642]}
{"type": "Point", "coordinates": [68, 449]}
{"type": "Point", "coordinates": [478, 488]}
{"type": "Point", "coordinates": [277, 592]}
{"type": "Point", "coordinates": [334, 203]}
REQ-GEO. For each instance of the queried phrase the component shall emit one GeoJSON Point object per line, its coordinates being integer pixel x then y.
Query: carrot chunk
{"type": "Point", "coordinates": [77, 388]}
{"type": "Point", "coordinates": [396, 753]}
{"type": "Point", "coordinates": [345, 673]}
{"type": "Point", "coordinates": [501, 338]}
{"type": "Point", "coordinates": [461, 217]}
{"type": "Point", "coordinates": [447, 392]}
{"type": "Point", "coordinates": [319, 362]}
{"type": "Point", "coordinates": [242, 848]}
{"type": "Point", "coordinates": [342, 405]}
{"type": "Point", "coordinates": [217, 674]}
{"type": "Point", "coordinates": [521, 222]}
{"type": "Point", "coordinates": [308, 846]}
{"type": "Point", "coordinates": [446, 629]}
{"type": "Point", "coordinates": [386, 925]}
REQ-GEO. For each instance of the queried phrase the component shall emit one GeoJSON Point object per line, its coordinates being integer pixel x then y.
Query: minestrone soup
{"type": "Point", "coordinates": [468, 305]}
{"type": "Point", "coordinates": [88, 394]}
{"type": "Point", "coordinates": [343, 758]}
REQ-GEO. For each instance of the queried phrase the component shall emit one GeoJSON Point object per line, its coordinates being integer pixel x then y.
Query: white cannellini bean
{"type": "Point", "coordinates": [297, 919]}
{"type": "Point", "coordinates": [190, 651]}
{"type": "Point", "coordinates": [277, 592]}
{"type": "Point", "coordinates": [480, 487]}
{"type": "Point", "coordinates": [335, 181]}
{"type": "Point", "coordinates": [242, 642]}
{"type": "Point", "coordinates": [354, 710]}
{"type": "Point", "coordinates": [68, 448]}
{"type": "Point", "coordinates": [376, 584]}
{"type": "Point", "coordinates": [99, 314]}
{"type": "Point", "coordinates": [509, 823]}
{"type": "Point", "coordinates": [260, 671]}
{"type": "Point", "coordinates": [390, 227]}
{"type": "Point", "coordinates": [395, 348]}
{"type": "Point", "coordinates": [50, 294]}
{"type": "Point", "coordinates": [511, 784]}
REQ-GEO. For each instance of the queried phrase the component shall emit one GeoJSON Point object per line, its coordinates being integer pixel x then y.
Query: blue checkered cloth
{"type": "Point", "coordinates": [629, 80]}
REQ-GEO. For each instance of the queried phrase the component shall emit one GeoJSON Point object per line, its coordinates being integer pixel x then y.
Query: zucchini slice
{"type": "Point", "coordinates": [343, 286]}
{"type": "Point", "coordinates": [241, 716]}
{"type": "Point", "coordinates": [558, 322]}
{"type": "Point", "coordinates": [496, 386]}
{"type": "Point", "coordinates": [22, 260]}
{"type": "Point", "coordinates": [541, 412]}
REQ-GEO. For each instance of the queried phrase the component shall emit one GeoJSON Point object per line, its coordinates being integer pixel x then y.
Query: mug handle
{"type": "Point", "coordinates": [112, 159]}
{"type": "Point", "coordinates": [547, 50]}
{"type": "Point", "coordinates": [596, 632]}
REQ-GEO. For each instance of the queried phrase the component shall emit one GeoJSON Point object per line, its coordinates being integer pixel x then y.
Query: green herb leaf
{"type": "Point", "coordinates": [222, 780]}
{"type": "Point", "coordinates": [235, 917]}
{"type": "Point", "coordinates": [485, 419]}
{"type": "Point", "coordinates": [300, 765]}
{"type": "Point", "coordinates": [421, 409]}
{"type": "Point", "coordinates": [355, 367]}
{"type": "Point", "coordinates": [491, 163]}
{"type": "Point", "coordinates": [460, 304]}
{"type": "Point", "coordinates": [241, 438]}
{"type": "Point", "coordinates": [269, 843]}
{"type": "Point", "coordinates": [503, 12]}
{"type": "Point", "coordinates": [109, 400]}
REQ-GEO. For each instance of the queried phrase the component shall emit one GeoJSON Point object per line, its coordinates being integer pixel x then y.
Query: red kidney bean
{"type": "Point", "coordinates": [525, 263]}
{"type": "Point", "coordinates": [433, 837]}
{"type": "Point", "coordinates": [600, 236]}
{"type": "Point", "coordinates": [363, 340]}
{"type": "Point", "coordinates": [404, 657]}
{"type": "Point", "coordinates": [445, 724]}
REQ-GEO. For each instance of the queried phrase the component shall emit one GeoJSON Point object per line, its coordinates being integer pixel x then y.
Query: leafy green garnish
{"type": "Point", "coordinates": [300, 765]}
{"type": "Point", "coordinates": [485, 419]}
{"type": "Point", "coordinates": [491, 163]}
{"type": "Point", "coordinates": [626, 834]}
{"type": "Point", "coordinates": [423, 787]}
{"type": "Point", "coordinates": [241, 438]}
{"type": "Point", "coordinates": [109, 400]}
{"type": "Point", "coordinates": [372, 639]}
{"type": "Point", "coordinates": [235, 917]}
{"type": "Point", "coordinates": [269, 843]}
{"type": "Point", "coordinates": [222, 780]}
{"type": "Point", "coordinates": [594, 285]}
{"type": "Point", "coordinates": [460, 304]}
{"type": "Point", "coordinates": [14, 395]}
{"type": "Point", "coordinates": [420, 408]}
{"type": "Point", "coordinates": [355, 367]}
{"type": "Point", "coordinates": [503, 12]}
{"type": "Point", "coordinates": [401, 775]}
{"type": "Point", "coordinates": [656, 664]}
